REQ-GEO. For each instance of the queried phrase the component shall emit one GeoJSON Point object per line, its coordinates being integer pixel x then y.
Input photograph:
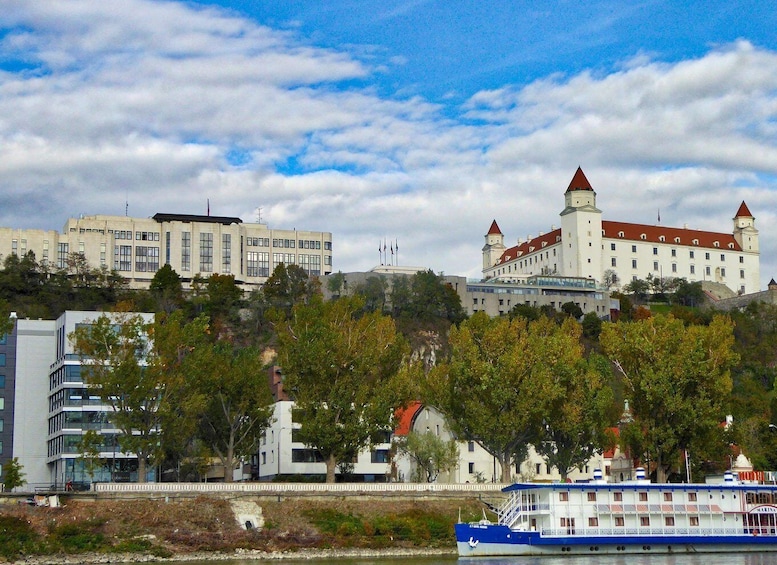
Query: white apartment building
{"type": "Point", "coordinates": [281, 454]}
{"type": "Point", "coordinates": [587, 246]}
{"type": "Point", "coordinates": [191, 244]}
{"type": "Point", "coordinates": [475, 463]}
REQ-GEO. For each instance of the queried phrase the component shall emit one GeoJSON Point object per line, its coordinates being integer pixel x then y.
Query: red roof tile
{"type": "Point", "coordinates": [743, 211]}
{"type": "Point", "coordinates": [528, 247]}
{"type": "Point", "coordinates": [494, 229]}
{"type": "Point", "coordinates": [405, 417]}
{"type": "Point", "coordinates": [678, 236]}
{"type": "Point", "coordinates": [579, 182]}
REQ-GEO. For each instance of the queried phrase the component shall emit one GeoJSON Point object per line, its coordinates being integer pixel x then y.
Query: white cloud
{"type": "Point", "coordinates": [149, 100]}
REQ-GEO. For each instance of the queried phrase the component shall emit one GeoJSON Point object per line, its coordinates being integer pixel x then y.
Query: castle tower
{"type": "Point", "coordinates": [494, 247]}
{"type": "Point", "coordinates": [581, 230]}
{"type": "Point", "coordinates": [745, 233]}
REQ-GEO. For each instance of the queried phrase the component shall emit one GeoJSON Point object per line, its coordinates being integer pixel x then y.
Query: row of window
{"type": "Point", "coordinates": [691, 253]}
{"type": "Point", "coordinates": [721, 271]}
{"type": "Point", "coordinates": [618, 496]}
{"type": "Point", "coordinates": [620, 522]}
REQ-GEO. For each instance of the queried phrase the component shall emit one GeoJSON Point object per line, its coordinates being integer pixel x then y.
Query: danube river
{"type": "Point", "coordinates": [694, 559]}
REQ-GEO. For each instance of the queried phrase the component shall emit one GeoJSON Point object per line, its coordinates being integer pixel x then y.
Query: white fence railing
{"type": "Point", "coordinates": [280, 488]}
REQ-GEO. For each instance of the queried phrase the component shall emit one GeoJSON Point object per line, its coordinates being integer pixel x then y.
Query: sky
{"type": "Point", "coordinates": [416, 122]}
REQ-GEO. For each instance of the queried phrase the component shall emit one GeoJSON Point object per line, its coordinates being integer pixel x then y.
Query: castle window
{"type": "Point", "coordinates": [707, 256]}
{"type": "Point", "coordinates": [693, 269]}
{"type": "Point", "coordinates": [722, 258]}
{"type": "Point", "coordinates": [707, 270]}
{"type": "Point", "coordinates": [674, 267]}
{"type": "Point", "coordinates": [716, 243]}
{"type": "Point", "coordinates": [674, 252]}
{"type": "Point", "coordinates": [722, 272]}
{"type": "Point", "coordinates": [655, 251]}
{"type": "Point", "coordinates": [643, 236]}
{"type": "Point", "coordinates": [692, 254]}
{"type": "Point", "coordinates": [655, 265]}
{"type": "Point", "coordinates": [621, 234]}
{"type": "Point", "coordinates": [661, 238]}
{"type": "Point", "coordinates": [741, 259]}
{"type": "Point", "coordinates": [633, 248]}
{"type": "Point", "coordinates": [741, 273]}
{"type": "Point", "coordinates": [612, 247]}
{"type": "Point", "coordinates": [677, 240]}
{"type": "Point", "coordinates": [695, 242]}
{"type": "Point", "coordinates": [731, 246]}
{"type": "Point", "coordinates": [633, 263]}
{"type": "Point", "coordinates": [613, 262]}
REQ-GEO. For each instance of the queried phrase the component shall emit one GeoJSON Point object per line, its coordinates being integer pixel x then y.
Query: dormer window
{"type": "Point", "coordinates": [731, 246]}
{"type": "Point", "coordinates": [695, 242]}
{"type": "Point", "coordinates": [677, 240]}
{"type": "Point", "coordinates": [544, 243]}
{"type": "Point", "coordinates": [716, 243]}
{"type": "Point", "coordinates": [621, 234]}
{"type": "Point", "coordinates": [643, 236]}
{"type": "Point", "coordinates": [661, 238]}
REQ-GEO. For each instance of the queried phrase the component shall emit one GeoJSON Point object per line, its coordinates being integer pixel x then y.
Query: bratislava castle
{"type": "Point", "coordinates": [191, 244]}
{"type": "Point", "coordinates": [587, 246]}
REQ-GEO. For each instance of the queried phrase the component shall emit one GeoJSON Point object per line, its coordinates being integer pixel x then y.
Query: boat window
{"type": "Point", "coordinates": [694, 520]}
{"type": "Point", "coordinates": [593, 522]}
{"type": "Point", "coordinates": [642, 496]}
{"type": "Point", "coordinates": [667, 497]}
{"type": "Point", "coordinates": [669, 520]}
{"type": "Point", "coordinates": [617, 496]}
{"type": "Point", "coordinates": [691, 497]}
{"type": "Point", "coordinates": [563, 496]}
{"type": "Point", "coordinates": [591, 496]}
{"type": "Point", "coordinates": [644, 520]}
{"type": "Point", "coordinates": [620, 521]}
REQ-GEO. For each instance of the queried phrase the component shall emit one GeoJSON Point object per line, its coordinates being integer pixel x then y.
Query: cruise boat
{"type": "Point", "coordinates": [626, 518]}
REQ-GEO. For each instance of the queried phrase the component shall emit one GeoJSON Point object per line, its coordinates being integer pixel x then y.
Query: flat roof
{"type": "Point", "coordinates": [225, 220]}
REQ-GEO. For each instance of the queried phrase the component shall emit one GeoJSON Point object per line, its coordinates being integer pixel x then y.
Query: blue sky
{"type": "Point", "coordinates": [418, 121]}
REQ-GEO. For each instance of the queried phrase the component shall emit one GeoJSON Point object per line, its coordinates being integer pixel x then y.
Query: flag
{"type": "Point", "coordinates": [659, 215]}
{"type": "Point", "coordinates": [208, 206]}
{"type": "Point", "coordinates": [392, 248]}
{"type": "Point", "coordinates": [396, 245]}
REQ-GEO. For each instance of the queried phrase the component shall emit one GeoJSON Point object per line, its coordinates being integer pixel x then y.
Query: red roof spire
{"type": "Point", "coordinates": [494, 229]}
{"type": "Point", "coordinates": [743, 211]}
{"type": "Point", "coordinates": [579, 182]}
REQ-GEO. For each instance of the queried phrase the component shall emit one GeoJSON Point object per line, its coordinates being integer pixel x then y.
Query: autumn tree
{"type": "Point", "coordinates": [676, 378]}
{"type": "Point", "coordinates": [343, 370]}
{"type": "Point", "coordinates": [576, 427]}
{"type": "Point", "coordinates": [118, 363]}
{"type": "Point", "coordinates": [502, 380]}
{"type": "Point", "coordinates": [431, 454]}
{"type": "Point", "coordinates": [13, 476]}
{"type": "Point", "coordinates": [166, 287]}
{"type": "Point", "coordinates": [237, 401]}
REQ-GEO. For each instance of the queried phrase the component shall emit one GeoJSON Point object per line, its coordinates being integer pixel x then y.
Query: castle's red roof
{"type": "Point", "coordinates": [630, 232]}
{"type": "Point", "coordinates": [494, 229]}
{"type": "Point", "coordinates": [579, 182]}
{"type": "Point", "coordinates": [743, 211]}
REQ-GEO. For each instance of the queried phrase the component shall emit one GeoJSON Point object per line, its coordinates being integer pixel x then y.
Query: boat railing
{"type": "Point", "coordinates": [646, 531]}
{"type": "Point", "coordinates": [513, 510]}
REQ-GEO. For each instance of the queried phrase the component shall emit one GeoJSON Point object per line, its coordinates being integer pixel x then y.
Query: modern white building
{"type": "Point", "coordinates": [191, 244]}
{"type": "Point", "coordinates": [281, 454]}
{"type": "Point", "coordinates": [45, 406]}
{"type": "Point", "coordinates": [586, 246]}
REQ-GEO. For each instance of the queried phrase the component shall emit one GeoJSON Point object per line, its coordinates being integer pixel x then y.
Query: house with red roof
{"type": "Point", "coordinates": [589, 247]}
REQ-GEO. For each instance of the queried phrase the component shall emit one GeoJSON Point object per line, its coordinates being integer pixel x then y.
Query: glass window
{"type": "Point", "coordinates": [619, 521]}
{"type": "Point", "coordinates": [643, 497]}
{"type": "Point", "coordinates": [563, 496]}
{"type": "Point", "coordinates": [2, 403]}
{"type": "Point", "coordinates": [669, 521]}
{"type": "Point", "coordinates": [2, 359]}
{"type": "Point", "coordinates": [644, 521]}
{"type": "Point", "coordinates": [2, 381]}
{"type": "Point", "coordinates": [694, 520]}
{"type": "Point", "coordinates": [617, 496]}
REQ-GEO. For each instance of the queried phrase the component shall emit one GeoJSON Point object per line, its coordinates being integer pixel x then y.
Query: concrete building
{"type": "Point", "coordinates": [192, 245]}
{"type": "Point", "coordinates": [281, 454]}
{"type": "Point", "coordinates": [496, 296]}
{"type": "Point", "coordinates": [45, 406]}
{"type": "Point", "coordinates": [586, 246]}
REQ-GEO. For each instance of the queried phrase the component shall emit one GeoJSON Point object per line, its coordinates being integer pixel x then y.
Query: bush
{"type": "Point", "coordinates": [17, 537]}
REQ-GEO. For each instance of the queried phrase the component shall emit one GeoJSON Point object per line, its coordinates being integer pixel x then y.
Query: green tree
{"type": "Point", "coordinates": [289, 285]}
{"type": "Point", "coordinates": [118, 362]}
{"type": "Point", "coordinates": [373, 291]}
{"type": "Point", "coordinates": [577, 423]}
{"type": "Point", "coordinates": [677, 379]}
{"type": "Point", "coordinates": [335, 284]}
{"type": "Point", "coordinates": [431, 298]}
{"type": "Point", "coordinates": [592, 326]}
{"type": "Point", "coordinates": [526, 312]}
{"type": "Point", "coordinates": [13, 477]}
{"type": "Point", "coordinates": [502, 380]}
{"type": "Point", "coordinates": [89, 447]}
{"type": "Point", "coordinates": [224, 296]}
{"type": "Point", "coordinates": [431, 454]}
{"type": "Point", "coordinates": [571, 309]}
{"type": "Point", "coordinates": [166, 287]}
{"type": "Point", "coordinates": [238, 402]}
{"type": "Point", "coordinates": [639, 290]}
{"type": "Point", "coordinates": [344, 373]}
{"type": "Point", "coordinates": [6, 322]}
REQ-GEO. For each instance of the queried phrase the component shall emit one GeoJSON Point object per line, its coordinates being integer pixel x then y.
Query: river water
{"type": "Point", "coordinates": [694, 559]}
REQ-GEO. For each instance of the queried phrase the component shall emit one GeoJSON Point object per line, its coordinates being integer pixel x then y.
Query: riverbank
{"type": "Point", "coordinates": [89, 530]}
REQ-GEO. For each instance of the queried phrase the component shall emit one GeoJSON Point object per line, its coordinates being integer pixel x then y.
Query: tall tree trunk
{"type": "Point", "coordinates": [141, 468]}
{"type": "Point", "coordinates": [331, 463]}
{"type": "Point", "coordinates": [506, 468]}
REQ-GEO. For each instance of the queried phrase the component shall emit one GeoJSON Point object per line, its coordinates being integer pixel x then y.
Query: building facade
{"type": "Point", "coordinates": [192, 245]}
{"type": "Point", "coordinates": [586, 246]}
{"type": "Point", "coordinates": [46, 407]}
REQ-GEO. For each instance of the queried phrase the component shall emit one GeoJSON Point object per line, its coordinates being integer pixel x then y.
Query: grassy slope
{"type": "Point", "coordinates": [207, 524]}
